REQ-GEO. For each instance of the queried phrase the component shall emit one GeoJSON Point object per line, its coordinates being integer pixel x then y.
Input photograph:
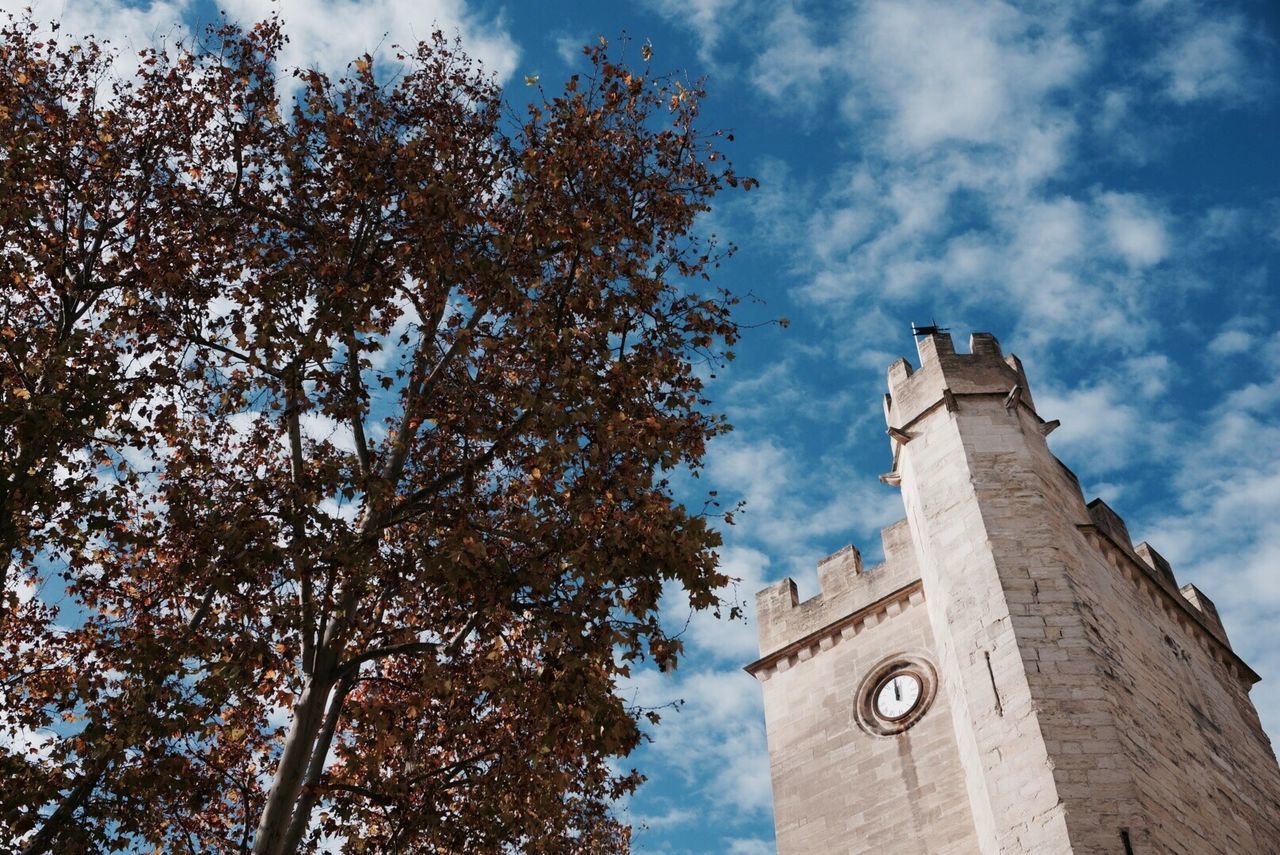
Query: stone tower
{"type": "Point", "coordinates": [1016, 676]}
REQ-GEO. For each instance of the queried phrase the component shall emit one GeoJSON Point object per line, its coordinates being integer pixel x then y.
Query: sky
{"type": "Point", "coordinates": [1096, 183]}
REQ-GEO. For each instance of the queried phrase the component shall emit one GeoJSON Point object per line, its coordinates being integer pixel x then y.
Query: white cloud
{"type": "Point", "coordinates": [670, 818]}
{"type": "Point", "coordinates": [1148, 374]}
{"type": "Point", "coordinates": [1113, 110]}
{"type": "Point", "coordinates": [23, 587]}
{"type": "Point", "coordinates": [331, 33]}
{"type": "Point", "coordinates": [1100, 429]}
{"type": "Point", "coordinates": [30, 743]}
{"type": "Point", "coordinates": [1230, 342]}
{"type": "Point", "coordinates": [781, 383]}
{"type": "Point", "coordinates": [327, 34]}
{"type": "Point", "coordinates": [963, 229]}
{"type": "Point", "coordinates": [1136, 231]}
{"type": "Point", "coordinates": [1205, 60]}
{"type": "Point", "coordinates": [322, 428]}
{"type": "Point", "coordinates": [958, 71]}
{"type": "Point", "coordinates": [569, 48]}
{"type": "Point", "coordinates": [130, 27]}
{"type": "Point", "coordinates": [793, 66]}
{"type": "Point", "coordinates": [1221, 224]}
{"type": "Point", "coordinates": [729, 641]}
{"type": "Point", "coordinates": [758, 471]}
{"type": "Point", "coordinates": [1271, 352]}
{"type": "Point", "coordinates": [715, 742]}
{"type": "Point", "coordinates": [1260, 398]}
{"type": "Point", "coordinates": [788, 510]}
{"type": "Point", "coordinates": [961, 123]}
{"type": "Point", "coordinates": [707, 19]}
{"type": "Point", "coordinates": [967, 121]}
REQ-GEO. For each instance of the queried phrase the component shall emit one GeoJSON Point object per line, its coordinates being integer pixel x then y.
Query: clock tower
{"type": "Point", "coordinates": [1016, 676]}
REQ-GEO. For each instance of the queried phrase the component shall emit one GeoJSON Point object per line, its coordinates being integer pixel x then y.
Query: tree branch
{"type": "Point", "coordinates": [247, 359]}
{"type": "Point", "coordinates": [301, 568]}
{"type": "Point", "coordinates": [408, 648]}
{"type": "Point", "coordinates": [415, 399]}
{"type": "Point", "coordinates": [398, 514]}
{"type": "Point", "coordinates": [349, 668]}
{"type": "Point", "coordinates": [355, 393]}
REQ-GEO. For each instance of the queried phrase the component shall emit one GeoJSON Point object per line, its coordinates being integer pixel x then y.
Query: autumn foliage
{"type": "Point", "coordinates": [335, 423]}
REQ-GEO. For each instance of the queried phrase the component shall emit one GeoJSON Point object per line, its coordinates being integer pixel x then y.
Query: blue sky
{"type": "Point", "coordinates": [1097, 183]}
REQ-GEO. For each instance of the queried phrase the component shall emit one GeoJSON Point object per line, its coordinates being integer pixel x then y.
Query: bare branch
{"type": "Point", "coordinates": [409, 648]}
{"type": "Point", "coordinates": [355, 394]}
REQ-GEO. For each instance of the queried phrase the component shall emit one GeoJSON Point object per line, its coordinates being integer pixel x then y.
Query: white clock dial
{"type": "Point", "coordinates": [898, 696]}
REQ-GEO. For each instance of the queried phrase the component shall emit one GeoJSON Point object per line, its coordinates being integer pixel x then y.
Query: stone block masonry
{"type": "Point", "coordinates": [1064, 695]}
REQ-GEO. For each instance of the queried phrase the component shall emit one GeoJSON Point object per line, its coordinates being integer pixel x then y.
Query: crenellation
{"type": "Point", "coordinates": [845, 587]}
{"type": "Point", "coordinates": [1163, 569]}
{"type": "Point", "coordinates": [1181, 606]}
{"type": "Point", "coordinates": [985, 345]}
{"type": "Point", "coordinates": [1016, 364]}
{"type": "Point", "coordinates": [838, 571]}
{"type": "Point", "coordinates": [773, 605]}
{"type": "Point", "coordinates": [934, 349]}
{"type": "Point", "coordinates": [899, 372]}
{"type": "Point", "coordinates": [1207, 610]}
{"type": "Point", "coordinates": [1110, 523]}
{"type": "Point", "coordinates": [944, 374]}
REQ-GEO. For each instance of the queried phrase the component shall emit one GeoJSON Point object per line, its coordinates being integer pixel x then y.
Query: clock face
{"type": "Point", "coordinates": [894, 694]}
{"type": "Point", "coordinates": [897, 696]}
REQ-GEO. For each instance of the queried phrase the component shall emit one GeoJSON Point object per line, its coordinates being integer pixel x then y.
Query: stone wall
{"type": "Point", "coordinates": [1204, 770]}
{"type": "Point", "coordinates": [837, 788]}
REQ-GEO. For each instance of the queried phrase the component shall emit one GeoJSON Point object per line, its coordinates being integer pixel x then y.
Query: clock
{"type": "Point", "coordinates": [897, 696]}
{"type": "Point", "coordinates": [895, 693]}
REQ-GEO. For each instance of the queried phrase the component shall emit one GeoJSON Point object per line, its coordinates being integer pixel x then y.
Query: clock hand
{"type": "Point", "coordinates": [897, 690]}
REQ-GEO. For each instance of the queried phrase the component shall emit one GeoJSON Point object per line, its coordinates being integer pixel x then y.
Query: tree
{"type": "Point", "coordinates": [86, 240]}
{"type": "Point", "coordinates": [375, 512]}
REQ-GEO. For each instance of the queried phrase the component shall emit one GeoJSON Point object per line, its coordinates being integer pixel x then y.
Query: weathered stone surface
{"type": "Point", "coordinates": [1081, 698]}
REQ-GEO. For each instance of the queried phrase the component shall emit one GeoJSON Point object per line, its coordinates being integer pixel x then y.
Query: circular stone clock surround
{"type": "Point", "coordinates": [884, 705]}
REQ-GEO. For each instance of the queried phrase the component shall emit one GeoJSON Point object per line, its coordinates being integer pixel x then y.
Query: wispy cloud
{"type": "Point", "coordinates": [715, 742]}
{"type": "Point", "coordinates": [790, 507]}
{"type": "Point", "coordinates": [326, 34]}
{"type": "Point", "coordinates": [128, 27]}
{"type": "Point", "coordinates": [330, 33]}
{"type": "Point", "coordinates": [707, 19]}
{"type": "Point", "coordinates": [794, 65]}
{"type": "Point", "coordinates": [1205, 59]}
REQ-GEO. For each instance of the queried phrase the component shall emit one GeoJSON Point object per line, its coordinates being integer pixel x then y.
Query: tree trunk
{"type": "Point", "coordinates": [315, 768]}
{"type": "Point", "coordinates": [286, 786]}
{"type": "Point", "coordinates": [309, 716]}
